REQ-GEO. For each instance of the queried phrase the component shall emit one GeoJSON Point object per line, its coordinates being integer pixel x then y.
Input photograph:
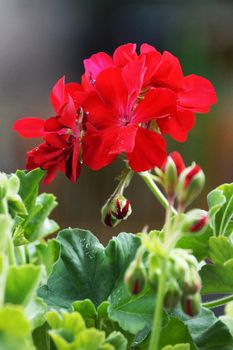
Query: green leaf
{"type": "Point", "coordinates": [197, 244]}
{"type": "Point", "coordinates": [21, 284]}
{"type": "Point", "coordinates": [34, 224]}
{"type": "Point", "coordinates": [228, 321]}
{"type": "Point", "coordinates": [15, 331]}
{"type": "Point", "coordinates": [88, 311]}
{"type": "Point", "coordinates": [118, 341]}
{"type": "Point", "coordinates": [177, 347]}
{"type": "Point", "coordinates": [207, 331]}
{"type": "Point", "coordinates": [217, 279]}
{"type": "Point", "coordinates": [37, 219]}
{"type": "Point", "coordinates": [133, 313]}
{"type": "Point", "coordinates": [35, 312]}
{"type": "Point", "coordinates": [87, 270]}
{"type": "Point", "coordinates": [176, 332]}
{"type": "Point", "coordinates": [41, 338]}
{"type": "Point", "coordinates": [29, 185]}
{"type": "Point", "coordinates": [47, 253]}
{"type": "Point", "coordinates": [220, 250]}
{"type": "Point", "coordinates": [220, 203]}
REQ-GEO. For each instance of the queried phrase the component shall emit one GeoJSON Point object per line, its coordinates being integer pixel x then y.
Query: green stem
{"type": "Point", "coordinates": [155, 190]}
{"type": "Point", "coordinates": [218, 302]}
{"type": "Point", "coordinates": [11, 252]}
{"type": "Point", "coordinates": [157, 321]}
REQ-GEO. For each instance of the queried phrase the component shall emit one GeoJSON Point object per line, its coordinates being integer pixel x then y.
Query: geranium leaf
{"type": "Point", "coordinates": [85, 269]}
{"type": "Point", "coordinates": [220, 203]}
{"type": "Point", "coordinates": [21, 284]}
{"type": "Point", "coordinates": [207, 332]}
{"type": "Point", "coordinates": [133, 313]}
{"type": "Point", "coordinates": [176, 332]}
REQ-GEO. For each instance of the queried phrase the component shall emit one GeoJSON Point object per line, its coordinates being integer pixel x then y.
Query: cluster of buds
{"type": "Point", "coordinates": [184, 283]}
{"type": "Point", "coordinates": [179, 181]}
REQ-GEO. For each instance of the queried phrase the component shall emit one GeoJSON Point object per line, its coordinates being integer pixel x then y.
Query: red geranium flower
{"type": "Point", "coordinates": [61, 134]}
{"type": "Point", "coordinates": [194, 94]}
{"type": "Point", "coordinates": [119, 120]}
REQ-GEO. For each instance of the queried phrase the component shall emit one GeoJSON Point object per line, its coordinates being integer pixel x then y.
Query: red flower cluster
{"type": "Point", "coordinates": [124, 104]}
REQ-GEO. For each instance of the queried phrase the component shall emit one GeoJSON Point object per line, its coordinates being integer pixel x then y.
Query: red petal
{"type": "Point", "coordinates": [73, 166]}
{"type": "Point", "coordinates": [133, 75]}
{"type": "Point", "coordinates": [95, 64]}
{"type": "Point", "coordinates": [97, 146]}
{"type": "Point", "coordinates": [100, 114]}
{"type": "Point", "coordinates": [153, 59]}
{"type": "Point", "coordinates": [145, 48]}
{"type": "Point", "coordinates": [52, 124]}
{"type": "Point", "coordinates": [113, 90]}
{"type": "Point", "coordinates": [169, 72]}
{"type": "Point", "coordinates": [30, 127]}
{"type": "Point", "coordinates": [198, 94]}
{"type": "Point", "coordinates": [68, 114]}
{"type": "Point", "coordinates": [178, 125]}
{"type": "Point", "coordinates": [75, 90]}
{"type": "Point", "coordinates": [124, 140]}
{"type": "Point", "coordinates": [149, 151]}
{"type": "Point", "coordinates": [58, 95]}
{"type": "Point", "coordinates": [178, 160]}
{"type": "Point", "coordinates": [124, 53]}
{"type": "Point", "coordinates": [157, 103]}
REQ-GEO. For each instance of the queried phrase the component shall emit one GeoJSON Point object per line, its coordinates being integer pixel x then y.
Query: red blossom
{"type": "Point", "coordinates": [124, 104]}
{"type": "Point", "coordinates": [61, 135]}
{"type": "Point", "coordinates": [119, 122]}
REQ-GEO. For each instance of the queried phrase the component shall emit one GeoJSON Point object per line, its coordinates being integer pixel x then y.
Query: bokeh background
{"type": "Point", "coordinates": [42, 40]}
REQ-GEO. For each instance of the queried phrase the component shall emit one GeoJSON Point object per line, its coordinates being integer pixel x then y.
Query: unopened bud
{"type": "Point", "coordinates": [195, 222]}
{"type": "Point", "coordinates": [135, 277]}
{"type": "Point", "coordinates": [191, 304]}
{"type": "Point", "coordinates": [191, 283]}
{"type": "Point", "coordinates": [172, 296]}
{"type": "Point", "coordinates": [115, 210]}
{"type": "Point", "coordinates": [170, 178]}
{"type": "Point", "coordinates": [169, 173]}
{"type": "Point", "coordinates": [190, 184]}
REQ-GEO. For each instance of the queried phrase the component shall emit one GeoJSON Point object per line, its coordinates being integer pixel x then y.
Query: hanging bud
{"type": "Point", "coordinates": [172, 296]}
{"type": "Point", "coordinates": [191, 304]}
{"type": "Point", "coordinates": [135, 277]}
{"type": "Point", "coordinates": [116, 209]}
{"type": "Point", "coordinates": [190, 184]}
{"type": "Point", "coordinates": [195, 222]}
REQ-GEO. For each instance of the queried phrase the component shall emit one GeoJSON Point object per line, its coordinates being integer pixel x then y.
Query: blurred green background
{"type": "Point", "coordinates": [42, 40]}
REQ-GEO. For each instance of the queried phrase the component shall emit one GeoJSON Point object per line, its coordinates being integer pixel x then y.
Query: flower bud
{"type": "Point", "coordinates": [172, 296]}
{"type": "Point", "coordinates": [115, 210]}
{"type": "Point", "coordinates": [191, 304]}
{"type": "Point", "coordinates": [170, 172]}
{"type": "Point", "coordinates": [190, 184]}
{"type": "Point", "coordinates": [135, 277]}
{"type": "Point", "coordinates": [170, 178]}
{"type": "Point", "coordinates": [191, 283]}
{"type": "Point", "coordinates": [195, 221]}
